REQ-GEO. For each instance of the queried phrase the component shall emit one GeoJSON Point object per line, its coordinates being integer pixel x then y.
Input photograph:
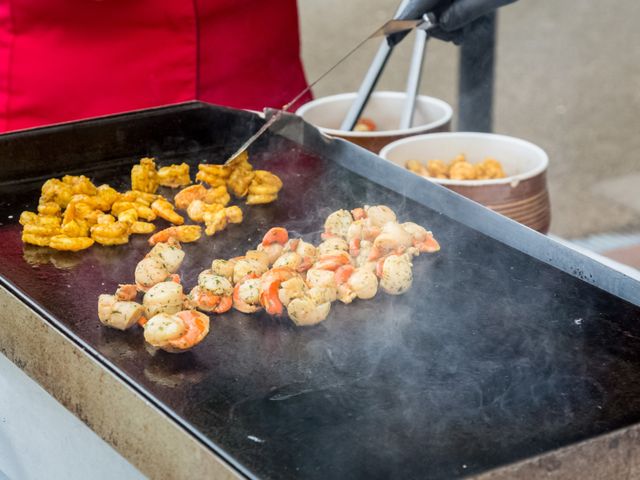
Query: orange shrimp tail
{"type": "Point", "coordinates": [427, 245]}
{"type": "Point", "coordinates": [343, 274]}
{"type": "Point", "coordinates": [332, 262]}
{"type": "Point", "coordinates": [224, 305]}
{"type": "Point", "coordinates": [142, 321]}
{"type": "Point", "coordinates": [127, 292]}
{"type": "Point", "coordinates": [380, 267]}
{"type": "Point", "coordinates": [358, 213]}
{"type": "Point", "coordinates": [270, 300]}
{"type": "Point", "coordinates": [354, 247]}
{"type": "Point", "coordinates": [275, 235]}
{"type": "Point", "coordinates": [174, 277]}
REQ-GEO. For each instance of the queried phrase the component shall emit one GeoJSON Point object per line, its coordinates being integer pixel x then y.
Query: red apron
{"type": "Point", "coordinates": [62, 60]}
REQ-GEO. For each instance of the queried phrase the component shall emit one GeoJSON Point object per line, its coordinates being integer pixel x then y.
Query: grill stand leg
{"type": "Point", "coordinates": [475, 87]}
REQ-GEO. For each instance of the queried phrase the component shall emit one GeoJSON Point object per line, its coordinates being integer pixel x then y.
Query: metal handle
{"type": "Point", "coordinates": [370, 79]}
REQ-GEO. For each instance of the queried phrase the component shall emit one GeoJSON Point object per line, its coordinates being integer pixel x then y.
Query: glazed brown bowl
{"type": "Point", "coordinates": [522, 195]}
{"type": "Point", "coordinates": [384, 108]}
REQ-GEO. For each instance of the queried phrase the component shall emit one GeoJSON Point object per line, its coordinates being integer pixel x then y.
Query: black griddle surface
{"type": "Point", "coordinates": [491, 357]}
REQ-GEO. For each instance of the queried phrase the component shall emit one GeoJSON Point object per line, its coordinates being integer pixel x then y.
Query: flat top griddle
{"type": "Point", "coordinates": [493, 356]}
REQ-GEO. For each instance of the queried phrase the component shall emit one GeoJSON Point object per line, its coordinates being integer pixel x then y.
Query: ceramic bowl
{"type": "Point", "coordinates": [522, 195]}
{"type": "Point", "coordinates": [384, 108]}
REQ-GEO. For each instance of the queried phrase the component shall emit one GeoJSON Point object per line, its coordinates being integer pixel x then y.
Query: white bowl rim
{"type": "Point", "coordinates": [379, 133]}
{"type": "Point", "coordinates": [513, 179]}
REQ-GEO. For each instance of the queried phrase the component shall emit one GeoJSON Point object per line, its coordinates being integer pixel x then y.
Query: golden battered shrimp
{"type": "Point", "coordinates": [214, 175]}
{"type": "Point", "coordinates": [241, 175]}
{"type": "Point", "coordinates": [40, 230]}
{"type": "Point", "coordinates": [187, 195]}
{"type": "Point", "coordinates": [163, 297]}
{"type": "Point", "coordinates": [75, 228]}
{"type": "Point", "coordinates": [183, 234]}
{"type": "Point", "coordinates": [144, 177]}
{"type": "Point", "coordinates": [165, 210]}
{"type": "Point", "coordinates": [80, 184]}
{"type": "Point", "coordinates": [54, 190]}
{"type": "Point", "coordinates": [219, 220]}
{"type": "Point", "coordinates": [118, 314]}
{"type": "Point", "coordinates": [27, 217]}
{"type": "Point", "coordinates": [49, 209]}
{"type": "Point", "coordinates": [264, 188]}
{"type": "Point", "coordinates": [136, 196]}
{"type": "Point", "coordinates": [70, 244]}
{"type": "Point", "coordinates": [217, 195]}
{"type": "Point", "coordinates": [305, 312]}
{"type": "Point", "coordinates": [109, 234]}
{"type": "Point", "coordinates": [337, 224]}
{"type": "Point", "coordinates": [174, 176]}
{"type": "Point", "coordinates": [395, 274]}
{"type": "Point", "coordinates": [105, 197]}
{"type": "Point", "coordinates": [142, 210]}
{"type": "Point", "coordinates": [176, 333]}
{"type": "Point", "coordinates": [142, 228]}
{"type": "Point", "coordinates": [198, 208]}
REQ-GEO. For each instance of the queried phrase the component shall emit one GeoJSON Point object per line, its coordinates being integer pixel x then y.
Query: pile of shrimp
{"type": "Point", "coordinates": [73, 213]}
{"type": "Point", "coordinates": [363, 251]}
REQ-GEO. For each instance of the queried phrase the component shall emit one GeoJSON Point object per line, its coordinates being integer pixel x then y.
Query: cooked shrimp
{"type": "Point", "coordinates": [422, 238]}
{"type": "Point", "coordinates": [246, 294]}
{"type": "Point", "coordinates": [273, 243]}
{"type": "Point", "coordinates": [378, 215]}
{"type": "Point", "coordinates": [392, 238]}
{"type": "Point", "coordinates": [149, 272]}
{"type": "Point", "coordinates": [322, 285]}
{"type": "Point", "coordinates": [290, 260]}
{"type": "Point", "coordinates": [259, 256]}
{"type": "Point", "coordinates": [290, 289]}
{"type": "Point", "coordinates": [170, 253]}
{"type": "Point", "coordinates": [207, 301]}
{"type": "Point", "coordinates": [247, 266]}
{"type": "Point", "coordinates": [332, 261]}
{"type": "Point", "coordinates": [337, 224]}
{"type": "Point", "coordinates": [198, 208]}
{"type": "Point", "coordinates": [187, 195]}
{"type": "Point", "coordinates": [174, 176]}
{"type": "Point", "coordinates": [166, 211]}
{"type": "Point", "coordinates": [332, 245]}
{"type": "Point", "coordinates": [178, 332]}
{"type": "Point", "coordinates": [164, 297]}
{"type": "Point", "coordinates": [118, 314]}
{"type": "Point", "coordinates": [126, 292]}
{"type": "Point", "coordinates": [224, 268]}
{"type": "Point", "coordinates": [269, 285]}
{"type": "Point", "coordinates": [356, 283]}
{"type": "Point", "coordinates": [303, 311]}
{"type": "Point", "coordinates": [307, 252]}
{"type": "Point", "coordinates": [183, 233]}
{"type": "Point", "coordinates": [395, 274]}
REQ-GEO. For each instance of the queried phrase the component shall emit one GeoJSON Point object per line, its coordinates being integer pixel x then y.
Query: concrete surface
{"type": "Point", "coordinates": [56, 446]}
{"type": "Point", "coordinates": [568, 79]}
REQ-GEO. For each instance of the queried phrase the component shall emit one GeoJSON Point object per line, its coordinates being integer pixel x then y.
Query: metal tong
{"type": "Point", "coordinates": [391, 27]}
{"type": "Point", "coordinates": [374, 73]}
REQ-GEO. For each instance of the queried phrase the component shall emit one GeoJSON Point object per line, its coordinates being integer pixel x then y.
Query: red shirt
{"type": "Point", "coordinates": [62, 60]}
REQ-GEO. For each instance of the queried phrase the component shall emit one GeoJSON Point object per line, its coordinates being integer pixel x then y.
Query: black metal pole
{"type": "Point", "coordinates": [475, 87]}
